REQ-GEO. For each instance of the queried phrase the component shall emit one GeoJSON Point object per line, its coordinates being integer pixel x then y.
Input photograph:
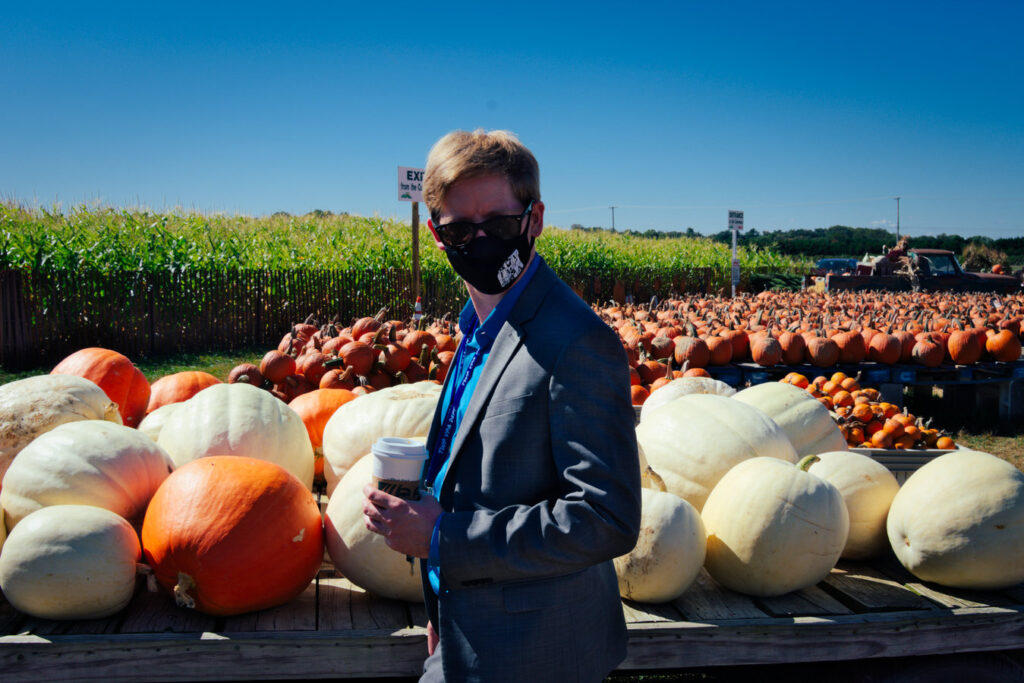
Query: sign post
{"type": "Point", "coordinates": [735, 224]}
{"type": "Point", "coordinates": [410, 189]}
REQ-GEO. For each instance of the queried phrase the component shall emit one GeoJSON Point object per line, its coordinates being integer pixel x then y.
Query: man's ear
{"type": "Point", "coordinates": [537, 219]}
{"type": "Point", "coordinates": [437, 240]}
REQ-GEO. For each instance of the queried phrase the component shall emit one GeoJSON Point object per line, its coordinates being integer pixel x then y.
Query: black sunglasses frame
{"type": "Point", "coordinates": [497, 226]}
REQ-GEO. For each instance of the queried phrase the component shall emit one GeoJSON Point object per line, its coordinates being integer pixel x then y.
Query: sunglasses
{"type": "Point", "coordinates": [461, 233]}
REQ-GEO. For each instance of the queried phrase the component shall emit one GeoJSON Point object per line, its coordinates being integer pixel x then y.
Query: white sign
{"type": "Point", "coordinates": [410, 184]}
{"type": "Point", "coordinates": [735, 220]}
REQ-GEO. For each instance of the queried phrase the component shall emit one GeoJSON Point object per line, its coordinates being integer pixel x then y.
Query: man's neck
{"type": "Point", "coordinates": [483, 304]}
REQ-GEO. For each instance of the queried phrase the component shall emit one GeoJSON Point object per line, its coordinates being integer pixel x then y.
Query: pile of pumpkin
{"type": "Point", "coordinates": [864, 420]}
{"type": "Point", "coordinates": [819, 329]}
{"type": "Point", "coordinates": [370, 354]}
{"type": "Point", "coordinates": [214, 501]}
{"type": "Point", "coordinates": [210, 495]}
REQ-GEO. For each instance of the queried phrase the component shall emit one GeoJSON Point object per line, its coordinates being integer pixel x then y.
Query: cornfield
{"type": "Point", "coordinates": [119, 240]}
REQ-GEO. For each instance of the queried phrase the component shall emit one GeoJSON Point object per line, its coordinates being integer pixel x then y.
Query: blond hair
{"type": "Point", "coordinates": [460, 155]}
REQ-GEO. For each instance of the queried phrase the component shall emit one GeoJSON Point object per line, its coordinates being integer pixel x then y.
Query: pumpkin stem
{"type": "Point", "coordinates": [806, 462]}
{"type": "Point", "coordinates": [181, 589]}
{"type": "Point", "coordinates": [652, 480]}
{"type": "Point", "coordinates": [147, 571]}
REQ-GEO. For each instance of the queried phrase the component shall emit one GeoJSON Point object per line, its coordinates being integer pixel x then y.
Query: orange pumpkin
{"type": "Point", "coordinates": [315, 408]}
{"type": "Point", "coordinates": [963, 347]}
{"type": "Point", "coordinates": [638, 394]}
{"type": "Point", "coordinates": [228, 534]}
{"type": "Point", "coordinates": [793, 347]}
{"type": "Point", "coordinates": [822, 352]}
{"type": "Point", "coordinates": [1003, 346]}
{"type": "Point", "coordinates": [885, 348]}
{"type": "Point", "coordinates": [120, 380]}
{"type": "Point", "coordinates": [765, 350]}
{"type": "Point", "coordinates": [181, 386]}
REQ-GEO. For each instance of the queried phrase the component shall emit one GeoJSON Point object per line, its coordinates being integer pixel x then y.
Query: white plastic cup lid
{"type": "Point", "coordinates": [398, 447]}
{"type": "Point", "coordinates": [398, 459]}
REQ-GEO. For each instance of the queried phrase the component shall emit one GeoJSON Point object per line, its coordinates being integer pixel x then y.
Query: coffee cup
{"type": "Point", "coordinates": [398, 466]}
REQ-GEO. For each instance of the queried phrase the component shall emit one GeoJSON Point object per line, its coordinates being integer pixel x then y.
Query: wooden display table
{"type": "Point", "coordinates": [336, 630]}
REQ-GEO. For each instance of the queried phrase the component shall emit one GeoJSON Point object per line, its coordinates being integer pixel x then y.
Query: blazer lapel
{"type": "Point", "coordinates": [506, 343]}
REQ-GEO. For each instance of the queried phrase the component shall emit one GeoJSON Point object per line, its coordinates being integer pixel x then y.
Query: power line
{"type": "Point", "coordinates": [820, 202]}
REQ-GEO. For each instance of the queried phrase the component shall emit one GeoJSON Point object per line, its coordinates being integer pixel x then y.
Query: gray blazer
{"type": "Point", "coordinates": [542, 492]}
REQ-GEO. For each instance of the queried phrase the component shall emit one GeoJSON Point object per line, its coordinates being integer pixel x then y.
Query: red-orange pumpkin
{"type": "Point", "coordinates": [275, 366]}
{"type": "Point", "coordinates": [928, 352]}
{"type": "Point", "coordinates": [415, 340]}
{"type": "Point", "coordinates": [851, 346]}
{"type": "Point", "coordinates": [692, 349]}
{"type": "Point", "coordinates": [181, 386]}
{"type": "Point", "coordinates": [358, 356]}
{"type": "Point", "coordinates": [228, 534]}
{"type": "Point", "coordinates": [120, 380]}
{"type": "Point", "coordinates": [740, 344]}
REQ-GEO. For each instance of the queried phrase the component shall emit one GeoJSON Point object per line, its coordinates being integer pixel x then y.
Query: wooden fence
{"type": "Point", "coordinates": [44, 316]}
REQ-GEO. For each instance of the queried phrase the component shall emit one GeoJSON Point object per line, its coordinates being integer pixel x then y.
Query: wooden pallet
{"type": "Point", "coordinates": [337, 630]}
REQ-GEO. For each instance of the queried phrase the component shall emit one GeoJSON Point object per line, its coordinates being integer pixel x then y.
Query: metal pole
{"type": "Point", "coordinates": [613, 217]}
{"type": "Point", "coordinates": [734, 231]}
{"type": "Point", "coordinates": [897, 219]}
{"type": "Point", "coordinates": [415, 250]}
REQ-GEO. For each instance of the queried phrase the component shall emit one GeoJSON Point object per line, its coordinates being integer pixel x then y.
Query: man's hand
{"type": "Point", "coordinates": [432, 638]}
{"type": "Point", "coordinates": [406, 525]}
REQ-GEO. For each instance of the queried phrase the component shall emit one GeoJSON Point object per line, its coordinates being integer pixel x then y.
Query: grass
{"type": "Point", "coordinates": [1008, 447]}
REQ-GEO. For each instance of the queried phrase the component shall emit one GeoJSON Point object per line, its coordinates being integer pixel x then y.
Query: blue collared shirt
{"type": "Point", "coordinates": [471, 357]}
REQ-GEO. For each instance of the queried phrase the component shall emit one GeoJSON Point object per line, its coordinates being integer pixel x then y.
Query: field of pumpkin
{"type": "Point", "coordinates": [819, 329]}
{"type": "Point", "coordinates": [209, 488]}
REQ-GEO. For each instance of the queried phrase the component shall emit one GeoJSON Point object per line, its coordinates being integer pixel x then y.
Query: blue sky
{"type": "Point", "coordinates": [803, 115]}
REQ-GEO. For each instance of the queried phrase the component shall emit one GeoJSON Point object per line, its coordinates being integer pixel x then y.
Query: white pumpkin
{"type": "Point", "coordinates": [35, 405]}
{"type": "Point", "coordinates": [868, 488]}
{"type": "Point", "coordinates": [805, 420]}
{"type": "Point", "coordinates": [361, 555]}
{"type": "Point", "coordinates": [239, 419]}
{"type": "Point", "coordinates": [683, 386]}
{"type": "Point", "coordinates": [694, 440]}
{"type": "Point", "coordinates": [669, 552]}
{"type": "Point", "coordinates": [773, 528]}
{"type": "Point", "coordinates": [155, 421]}
{"type": "Point", "coordinates": [85, 463]}
{"type": "Point", "coordinates": [70, 562]}
{"type": "Point", "coordinates": [959, 521]}
{"type": "Point", "coordinates": [404, 410]}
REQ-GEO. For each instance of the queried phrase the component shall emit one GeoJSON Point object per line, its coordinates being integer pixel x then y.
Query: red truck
{"type": "Point", "coordinates": [920, 269]}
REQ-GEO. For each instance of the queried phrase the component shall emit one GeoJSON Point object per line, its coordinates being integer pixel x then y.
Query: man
{"type": "Point", "coordinates": [534, 469]}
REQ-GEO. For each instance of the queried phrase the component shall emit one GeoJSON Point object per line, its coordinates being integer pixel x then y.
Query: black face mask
{"type": "Point", "coordinates": [491, 264]}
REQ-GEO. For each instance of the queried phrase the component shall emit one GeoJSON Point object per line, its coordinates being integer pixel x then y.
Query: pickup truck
{"type": "Point", "coordinates": [920, 269]}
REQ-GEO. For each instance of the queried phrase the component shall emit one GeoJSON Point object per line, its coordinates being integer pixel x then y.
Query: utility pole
{"type": "Point", "coordinates": [897, 219]}
{"type": "Point", "coordinates": [613, 217]}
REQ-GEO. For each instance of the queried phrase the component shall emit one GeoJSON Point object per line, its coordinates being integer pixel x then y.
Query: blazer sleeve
{"type": "Point", "coordinates": [595, 514]}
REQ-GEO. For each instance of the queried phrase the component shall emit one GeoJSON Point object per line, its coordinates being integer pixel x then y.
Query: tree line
{"type": "Point", "coordinates": [840, 241]}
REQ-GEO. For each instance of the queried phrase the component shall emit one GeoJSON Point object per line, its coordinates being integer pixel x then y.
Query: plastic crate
{"type": "Point", "coordinates": [902, 462]}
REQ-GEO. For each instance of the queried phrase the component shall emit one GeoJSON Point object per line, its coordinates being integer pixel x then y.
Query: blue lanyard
{"type": "Point", "coordinates": [446, 433]}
